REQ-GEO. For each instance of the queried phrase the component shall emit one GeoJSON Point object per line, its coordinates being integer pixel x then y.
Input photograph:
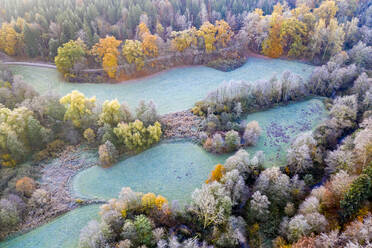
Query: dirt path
{"type": "Point", "coordinates": [45, 65]}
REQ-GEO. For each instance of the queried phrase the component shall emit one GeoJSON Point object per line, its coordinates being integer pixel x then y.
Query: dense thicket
{"type": "Point", "coordinates": [143, 30]}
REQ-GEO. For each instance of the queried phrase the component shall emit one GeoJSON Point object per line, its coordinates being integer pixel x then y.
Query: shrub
{"type": "Point", "coordinates": [26, 186]}
{"type": "Point", "coordinates": [260, 206]}
{"type": "Point", "coordinates": [148, 200]}
{"type": "Point", "coordinates": [301, 153]}
{"type": "Point", "coordinates": [251, 133]}
{"type": "Point", "coordinates": [89, 135]}
{"type": "Point", "coordinates": [38, 202]}
{"type": "Point", "coordinates": [211, 204]}
{"type": "Point", "coordinates": [94, 235]}
{"type": "Point", "coordinates": [51, 151]}
{"type": "Point", "coordinates": [234, 184]}
{"type": "Point", "coordinates": [160, 201]}
{"type": "Point", "coordinates": [232, 140]}
{"type": "Point", "coordinates": [113, 113]}
{"type": "Point", "coordinates": [108, 154]}
{"type": "Point", "coordinates": [344, 111]}
{"type": "Point", "coordinates": [275, 185]}
{"type": "Point", "coordinates": [217, 143]}
{"type": "Point", "coordinates": [146, 112]}
{"type": "Point", "coordinates": [9, 216]}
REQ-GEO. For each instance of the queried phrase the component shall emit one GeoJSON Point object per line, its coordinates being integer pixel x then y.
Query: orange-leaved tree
{"type": "Point", "coordinates": [107, 50]}
{"type": "Point", "coordinates": [149, 46]}
{"type": "Point", "coordinates": [272, 45]}
{"type": "Point", "coordinates": [217, 173]}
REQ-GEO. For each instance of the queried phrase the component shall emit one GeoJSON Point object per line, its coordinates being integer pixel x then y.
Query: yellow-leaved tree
{"type": "Point", "coordinates": [133, 53]}
{"type": "Point", "coordinates": [8, 38]}
{"type": "Point", "coordinates": [111, 113]}
{"type": "Point", "coordinates": [107, 50]}
{"type": "Point", "coordinates": [224, 32]}
{"type": "Point", "coordinates": [208, 32]}
{"type": "Point", "coordinates": [182, 40]}
{"type": "Point", "coordinates": [78, 107]}
{"type": "Point", "coordinates": [136, 137]}
{"type": "Point", "coordinates": [69, 54]}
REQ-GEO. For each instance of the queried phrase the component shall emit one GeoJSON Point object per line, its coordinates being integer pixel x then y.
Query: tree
{"type": "Point", "coordinates": [136, 137]}
{"type": "Point", "coordinates": [26, 186]}
{"type": "Point", "coordinates": [107, 51]}
{"type": "Point", "coordinates": [208, 32]}
{"type": "Point", "coordinates": [224, 33]}
{"type": "Point", "coordinates": [89, 135]}
{"type": "Point", "coordinates": [8, 39]}
{"type": "Point", "coordinates": [113, 113]}
{"type": "Point", "coordinates": [301, 153]}
{"type": "Point", "coordinates": [77, 107]}
{"type": "Point", "coordinates": [149, 46]}
{"type": "Point", "coordinates": [108, 154]}
{"type": "Point", "coordinates": [211, 204]}
{"type": "Point", "coordinates": [252, 133]}
{"type": "Point", "coordinates": [326, 11]}
{"type": "Point", "coordinates": [184, 39]}
{"type": "Point", "coordinates": [327, 40]}
{"type": "Point", "coordinates": [68, 55]}
{"type": "Point", "coordinates": [272, 45]}
{"type": "Point", "coordinates": [217, 173]}
{"type": "Point", "coordinates": [293, 33]}
{"type": "Point", "coordinates": [133, 53]}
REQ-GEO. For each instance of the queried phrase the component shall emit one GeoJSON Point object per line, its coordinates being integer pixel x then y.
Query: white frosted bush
{"type": "Point", "coordinates": [340, 159]}
{"type": "Point", "coordinates": [327, 240]}
{"type": "Point", "coordinates": [363, 140]}
{"type": "Point", "coordinates": [340, 183]}
{"type": "Point", "coordinates": [297, 228]}
{"type": "Point", "coordinates": [94, 235]}
{"type": "Point", "coordinates": [252, 133]}
{"type": "Point", "coordinates": [310, 205]}
{"type": "Point", "coordinates": [299, 155]}
{"type": "Point", "coordinates": [39, 198]}
{"type": "Point", "coordinates": [211, 203]}
{"type": "Point", "coordinates": [275, 185]}
{"type": "Point", "coordinates": [146, 112]}
{"type": "Point", "coordinates": [234, 234]}
{"type": "Point", "coordinates": [240, 161]}
{"type": "Point", "coordinates": [260, 205]}
{"type": "Point", "coordinates": [235, 185]}
{"type": "Point", "coordinates": [130, 198]}
{"type": "Point", "coordinates": [317, 222]}
{"type": "Point", "coordinates": [217, 143]}
{"type": "Point", "coordinates": [158, 234]}
{"type": "Point", "coordinates": [232, 140]}
{"type": "Point", "coordinates": [344, 111]}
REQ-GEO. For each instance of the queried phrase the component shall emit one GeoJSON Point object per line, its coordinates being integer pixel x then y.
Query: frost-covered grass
{"type": "Point", "coordinates": [173, 90]}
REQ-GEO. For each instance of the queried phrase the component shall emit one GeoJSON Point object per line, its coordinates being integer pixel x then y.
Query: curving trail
{"type": "Point", "coordinates": [31, 64]}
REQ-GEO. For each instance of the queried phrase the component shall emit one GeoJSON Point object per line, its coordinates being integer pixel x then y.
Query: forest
{"type": "Point", "coordinates": [222, 170]}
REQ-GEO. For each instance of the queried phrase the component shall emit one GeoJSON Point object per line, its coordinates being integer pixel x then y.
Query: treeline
{"type": "Point", "coordinates": [140, 31]}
